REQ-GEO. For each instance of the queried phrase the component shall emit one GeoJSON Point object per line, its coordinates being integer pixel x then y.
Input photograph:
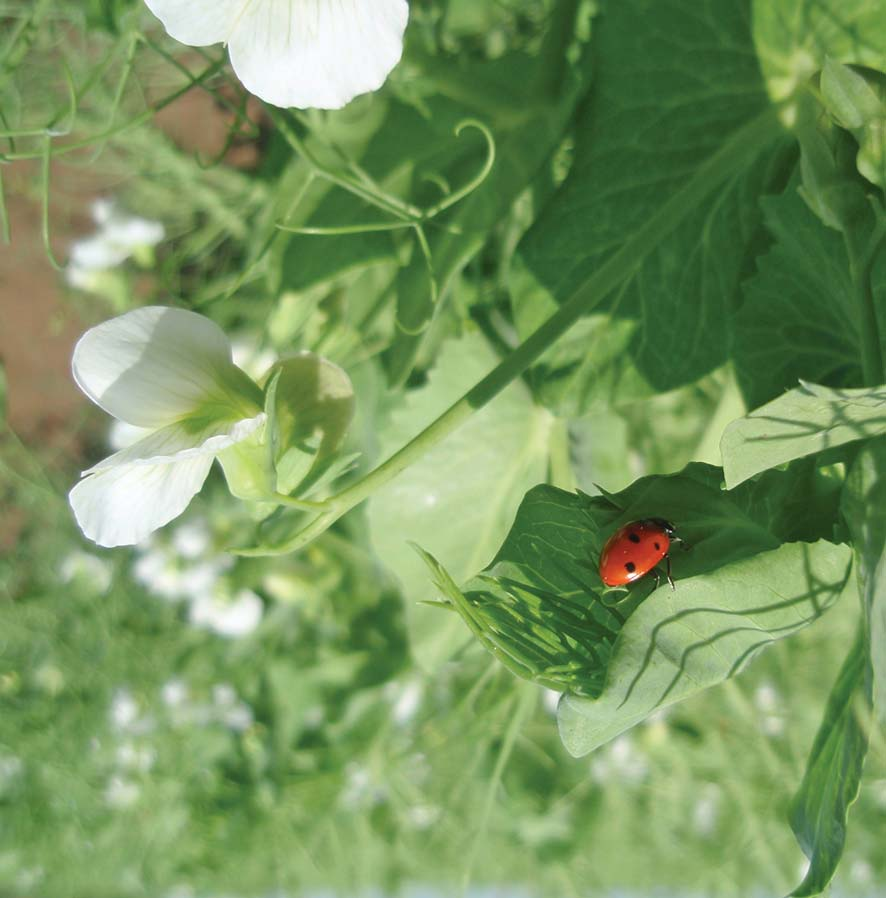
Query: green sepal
{"type": "Point", "coordinates": [310, 404]}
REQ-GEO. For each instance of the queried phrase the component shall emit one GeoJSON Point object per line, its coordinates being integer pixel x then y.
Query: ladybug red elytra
{"type": "Point", "coordinates": [635, 549]}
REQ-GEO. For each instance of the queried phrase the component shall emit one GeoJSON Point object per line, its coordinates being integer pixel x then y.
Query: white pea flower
{"type": "Point", "coordinates": [169, 371]}
{"type": "Point", "coordinates": [231, 616]}
{"type": "Point", "coordinates": [118, 237]}
{"type": "Point", "coordinates": [305, 53]}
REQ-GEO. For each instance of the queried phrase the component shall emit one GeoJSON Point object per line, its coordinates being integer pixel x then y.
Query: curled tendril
{"type": "Point", "coordinates": [405, 214]}
{"type": "Point", "coordinates": [478, 179]}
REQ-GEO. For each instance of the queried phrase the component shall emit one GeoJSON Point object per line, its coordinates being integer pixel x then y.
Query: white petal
{"type": "Point", "coordinates": [234, 617]}
{"type": "Point", "coordinates": [178, 442]}
{"type": "Point", "coordinates": [153, 365]}
{"type": "Point", "coordinates": [198, 23]}
{"type": "Point", "coordinates": [319, 53]}
{"type": "Point", "coordinates": [122, 505]}
{"type": "Point", "coordinates": [96, 253]}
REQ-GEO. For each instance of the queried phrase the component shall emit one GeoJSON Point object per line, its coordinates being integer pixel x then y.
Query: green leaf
{"type": "Point", "coordinates": [542, 604]}
{"type": "Point", "coordinates": [848, 96]}
{"type": "Point", "coordinates": [458, 500]}
{"type": "Point", "coordinates": [830, 784]}
{"type": "Point", "coordinates": [795, 37]}
{"type": "Point", "coordinates": [521, 156]}
{"type": "Point", "coordinates": [678, 643]}
{"type": "Point", "coordinates": [798, 320]}
{"type": "Point", "coordinates": [864, 498]}
{"type": "Point", "coordinates": [673, 85]}
{"type": "Point", "coordinates": [808, 419]}
{"type": "Point", "coordinates": [589, 367]}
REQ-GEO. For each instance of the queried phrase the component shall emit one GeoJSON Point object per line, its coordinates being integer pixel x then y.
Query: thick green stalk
{"type": "Point", "coordinates": [617, 270]}
{"type": "Point", "coordinates": [861, 262]}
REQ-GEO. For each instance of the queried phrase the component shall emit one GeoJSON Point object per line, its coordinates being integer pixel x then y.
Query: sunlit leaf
{"type": "Point", "coordinates": [808, 419]}
{"type": "Point", "coordinates": [680, 642]}
{"type": "Point", "coordinates": [864, 500]}
{"type": "Point", "coordinates": [542, 604]}
{"type": "Point", "coordinates": [459, 499]}
{"type": "Point", "coordinates": [820, 808]}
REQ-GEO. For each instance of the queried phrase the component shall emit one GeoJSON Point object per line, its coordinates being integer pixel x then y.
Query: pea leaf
{"type": "Point", "coordinates": [798, 320]}
{"type": "Point", "coordinates": [830, 784]}
{"type": "Point", "coordinates": [678, 643]}
{"type": "Point", "coordinates": [795, 37]}
{"type": "Point", "coordinates": [808, 419]}
{"type": "Point", "coordinates": [458, 499]}
{"type": "Point", "coordinates": [673, 83]}
{"type": "Point", "coordinates": [541, 603]}
{"type": "Point", "coordinates": [864, 498]}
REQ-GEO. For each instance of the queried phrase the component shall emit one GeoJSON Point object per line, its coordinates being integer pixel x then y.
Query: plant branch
{"type": "Point", "coordinates": [861, 263]}
{"type": "Point", "coordinates": [617, 270]}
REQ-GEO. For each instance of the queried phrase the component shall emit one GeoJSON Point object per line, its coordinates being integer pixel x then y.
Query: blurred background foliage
{"type": "Point", "coordinates": [176, 721]}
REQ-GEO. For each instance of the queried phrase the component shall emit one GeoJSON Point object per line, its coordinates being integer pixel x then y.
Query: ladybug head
{"type": "Point", "coordinates": [662, 524]}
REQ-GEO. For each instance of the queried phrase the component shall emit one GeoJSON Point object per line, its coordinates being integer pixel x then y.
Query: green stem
{"type": "Point", "coordinates": [619, 268]}
{"type": "Point", "coordinates": [525, 698]}
{"type": "Point", "coordinates": [140, 119]}
{"type": "Point", "coordinates": [861, 263]}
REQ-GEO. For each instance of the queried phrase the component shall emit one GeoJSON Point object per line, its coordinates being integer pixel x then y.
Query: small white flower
{"type": "Point", "coordinates": [119, 236]}
{"type": "Point", "coordinates": [124, 710]}
{"type": "Point", "coordinates": [423, 816]}
{"type": "Point", "coordinates": [304, 53]}
{"type": "Point", "coordinates": [121, 792]}
{"type": "Point", "coordinates": [405, 698]}
{"type": "Point", "coordinates": [174, 693]}
{"type": "Point", "coordinates": [768, 701]}
{"type": "Point", "coordinates": [138, 758]}
{"type": "Point", "coordinates": [192, 539]}
{"type": "Point", "coordinates": [621, 761]}
{"type": "Point", "coordinates": [168, 370]}
{"type": "Point", "coordinates": [83, 567]}
{"type": "Point", "coordinates": [233, 617]}
{"type": "Point", "coordinates": [707, 810]}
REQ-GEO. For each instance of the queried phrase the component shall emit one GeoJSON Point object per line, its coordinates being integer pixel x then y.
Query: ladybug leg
{"type": "Point", "coordinates": [670, 578]}
{"type": "Point", "coordinates": [657, 573]}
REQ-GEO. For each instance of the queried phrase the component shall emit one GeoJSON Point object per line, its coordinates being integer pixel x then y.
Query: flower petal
{"type": "Point", "coordinates": [198, 23]}
{"type": "Point", "coordinates": [317, 53]}
{"type": "Point", "coordinates": [178, 442]}
{"type": "Point", "coordinates": [153, 365]}
{"type": "Point", "coordinates": [122, 505]}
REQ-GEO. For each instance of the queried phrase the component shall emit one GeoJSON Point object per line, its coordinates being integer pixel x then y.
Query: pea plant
{"type": "Point", "coordinates": [574, 265]}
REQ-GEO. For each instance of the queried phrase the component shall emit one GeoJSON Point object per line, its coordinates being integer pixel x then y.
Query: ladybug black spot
{"type": "Point", "coordinates": [657, 547]}
{"type": "Point", "coordinates": [634, 537]}
{"type": "Point", "coordinates": [630, 567]}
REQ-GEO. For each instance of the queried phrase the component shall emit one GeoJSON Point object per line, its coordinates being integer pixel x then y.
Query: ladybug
{"type": "Point", "coordinates": [635, 549]}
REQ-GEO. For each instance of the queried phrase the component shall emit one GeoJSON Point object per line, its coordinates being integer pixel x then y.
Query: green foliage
{"type": "Point", "coordinates": [445, 502]}
{"type": "Point", "coordinates": [705, 631]}
{"type": "Point", "coordinates": [107, 14]}
{"type": "Point", "coordinates": [795, 38]}
{"type": "Point", "coordinates": [863, 499]}
{"type": "Point", "coordinates": [542, 607]}
{"type": "Point", "coordinates": [672, 87]}
{"type": "Point", "coordinates": [798, 319]}
{"type": "Point", "coordinates": [805, 421]}
{"type": "Point", "coordinates": [833, 772]}
{"type": "Point", "coordinates": [564, 246]}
